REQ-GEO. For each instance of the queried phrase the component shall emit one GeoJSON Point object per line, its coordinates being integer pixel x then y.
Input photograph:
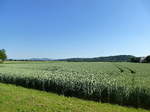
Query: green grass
{"type": "Point", "coordinates": [18, 99]}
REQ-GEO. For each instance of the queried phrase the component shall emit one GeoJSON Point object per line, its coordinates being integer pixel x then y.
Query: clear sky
{"type": "Point", "coordinates": [74, 28]}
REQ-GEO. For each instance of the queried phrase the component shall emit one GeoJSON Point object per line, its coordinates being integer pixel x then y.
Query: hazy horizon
{"type": "Point", "coordinates": [74, 28]}
{"type": "Point", "coordinates": [70, 57]}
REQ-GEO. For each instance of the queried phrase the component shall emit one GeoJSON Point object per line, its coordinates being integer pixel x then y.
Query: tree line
{"type": "Point", "coordinates": [141, 59]}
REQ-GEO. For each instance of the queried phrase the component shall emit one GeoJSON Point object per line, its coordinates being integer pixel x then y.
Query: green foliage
{"type": "Point", "coordinates": [135, 59]}
{"type": "Point", "coordinates": [147, 59]}
{"type": "Point", "coordinates": [3, 55]}
{"type": "Point", "coordinates": [119, 83]}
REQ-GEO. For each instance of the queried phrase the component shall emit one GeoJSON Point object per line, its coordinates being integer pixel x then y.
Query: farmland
{"type": "Point", "coordinates": [119, 83]}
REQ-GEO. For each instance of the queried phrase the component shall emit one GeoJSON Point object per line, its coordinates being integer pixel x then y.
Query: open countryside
{"type": "Point", "coordinates": [74, 56]}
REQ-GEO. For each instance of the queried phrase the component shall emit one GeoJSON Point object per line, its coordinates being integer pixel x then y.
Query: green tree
{"type": "Point", "coordinates": [135, 59]}
{"type": "Point", "coordinates": [3, 55]}
{"type": "Point", "coordinates": [147, 59]}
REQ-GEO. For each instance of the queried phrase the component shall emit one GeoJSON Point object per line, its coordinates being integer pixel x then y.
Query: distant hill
{"type": "Point", "coordinates": [31, 59]}
{"type": "Point", "coordinates": [117, 58]}
{"type": "Point", "coordinates": [40, 59]}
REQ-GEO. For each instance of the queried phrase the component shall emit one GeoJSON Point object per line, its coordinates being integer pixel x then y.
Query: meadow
{"type": "Point", "coordinates": [118, 83]}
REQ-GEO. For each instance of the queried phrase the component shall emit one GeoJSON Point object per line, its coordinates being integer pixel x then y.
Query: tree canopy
{"type": "Point", "coordinates": [3, 55]}
{"type": "Point", "coordinates": [147, 59]}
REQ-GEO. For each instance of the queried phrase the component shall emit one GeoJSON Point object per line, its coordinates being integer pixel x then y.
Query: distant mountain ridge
{"type": "Point", "coordinates": [117, 58]}
{"type": "Point", "coordinates": [40, 59]}
{"type": "Point", "coordinates": [32, 59]}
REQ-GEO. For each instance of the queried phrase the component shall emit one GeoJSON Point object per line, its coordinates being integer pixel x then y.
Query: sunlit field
{"type": "Point", "coordinates": [117, 83]}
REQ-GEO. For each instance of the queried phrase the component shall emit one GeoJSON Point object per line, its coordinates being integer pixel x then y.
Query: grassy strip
{"type": "Point", "coordinates": [19, 99]}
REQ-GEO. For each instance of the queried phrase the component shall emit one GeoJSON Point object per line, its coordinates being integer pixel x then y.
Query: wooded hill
{"type": "Point", "coordinates": [118, 58]}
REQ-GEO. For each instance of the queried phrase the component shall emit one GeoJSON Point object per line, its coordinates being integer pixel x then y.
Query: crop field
{"type": "Point", "coordinates": [119, 83]}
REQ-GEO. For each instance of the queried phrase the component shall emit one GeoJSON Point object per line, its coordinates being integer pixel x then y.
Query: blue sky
{"type": "Point", "coordinates": [74, 28]}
